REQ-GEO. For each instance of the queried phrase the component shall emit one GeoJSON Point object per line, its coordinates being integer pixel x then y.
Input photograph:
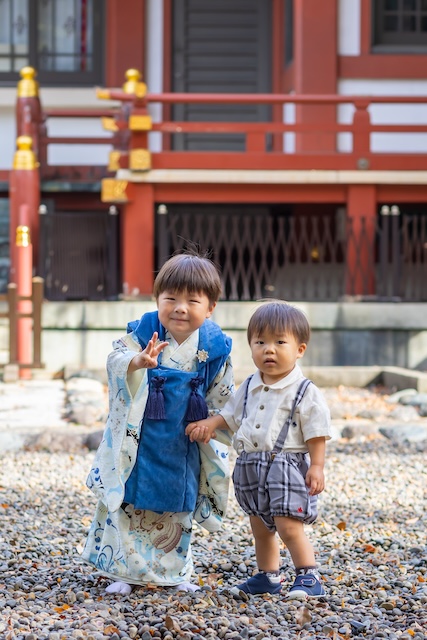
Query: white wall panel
{"type": "Point", "coordinates": [7, 136]}
{"type": "Point", "coordinates": [348, 27]}
{"type": "Point", "coordinates": [58, 154]}
{"type": "Point", "coordinates": [154, 64]}
{"type": "Point", "coordinates": [387, 114]}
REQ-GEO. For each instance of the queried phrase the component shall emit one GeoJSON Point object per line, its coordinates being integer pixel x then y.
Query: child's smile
{"type": "Point", "coordinates": [183, 312]}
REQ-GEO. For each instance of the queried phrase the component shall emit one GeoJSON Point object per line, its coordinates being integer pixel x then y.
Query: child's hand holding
{"type": "Point", "coordinates": [200, 431]}
{"type": "Point", "coordinates": [205, 430]}
{"type": "Point", "coordinates": [147, 359]}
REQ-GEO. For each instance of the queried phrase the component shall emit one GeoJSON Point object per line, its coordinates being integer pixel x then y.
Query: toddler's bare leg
{"type": "Point", "coordinates": [293, 535]}
{"type": "Point", "coordinates": [266, 546]}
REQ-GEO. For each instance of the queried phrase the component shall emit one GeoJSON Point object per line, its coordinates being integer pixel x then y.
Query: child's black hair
{"type": "Point", "coordinates": [277, 317]}
{"type": "Point", "coordinates": [189, 272]}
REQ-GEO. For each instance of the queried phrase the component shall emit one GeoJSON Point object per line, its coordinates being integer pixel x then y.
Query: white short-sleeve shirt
{"type": "Point", "coordinates": [267, 409]}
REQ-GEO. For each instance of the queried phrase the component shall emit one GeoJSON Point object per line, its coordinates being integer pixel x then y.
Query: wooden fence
{"type": "Point", "coordinates": [14, 314]}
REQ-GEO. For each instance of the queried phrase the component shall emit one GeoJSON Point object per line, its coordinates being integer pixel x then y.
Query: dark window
{"type": "Point", "coordinates": [62, 39]}
{"type": "Point", "coordinates": [400, 25]}
{"type": "Point", "coordinates": [289, 31]}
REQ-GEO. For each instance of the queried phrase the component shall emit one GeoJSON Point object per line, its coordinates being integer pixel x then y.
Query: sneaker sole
{"type": "Point", "coordinates": [239, 592]}
{"type": "Point", "coordinates": [302, 595]}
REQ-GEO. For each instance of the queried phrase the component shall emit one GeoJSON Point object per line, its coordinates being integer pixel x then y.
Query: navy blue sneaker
{"type": "Point", "coordinates": [260, 583]}
{"type": "Point", "coordinates": [306, 585]}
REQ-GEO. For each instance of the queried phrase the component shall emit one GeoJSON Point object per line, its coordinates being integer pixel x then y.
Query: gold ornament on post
{"type": "Point", "coordinates": [24, 157]}
{"type": "Point", "coordinates": [132, 84]}
{"type": "Point", "coordinates": [113, 190]}
{"type": "Point", "coordinates": [23, 238]}
{"type": "Point", "coordinates": [28, 87]}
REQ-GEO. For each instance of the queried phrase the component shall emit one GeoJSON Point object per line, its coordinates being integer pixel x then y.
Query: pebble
{"type": "Point", "coordinates": [369, 541]}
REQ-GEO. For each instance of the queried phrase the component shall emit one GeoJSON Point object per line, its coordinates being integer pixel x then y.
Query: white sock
{"type": "Point", "coordinates": [119, 587]}
{"type": "Point", "coordinates": [186, 586]}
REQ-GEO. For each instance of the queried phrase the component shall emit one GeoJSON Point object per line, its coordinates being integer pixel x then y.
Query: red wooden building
{"type": "Point", "coordinates": [289, 137]}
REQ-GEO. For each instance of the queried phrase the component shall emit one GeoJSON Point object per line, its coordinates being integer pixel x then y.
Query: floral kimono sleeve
{"type": "Point", "coordinates": [215, 471]}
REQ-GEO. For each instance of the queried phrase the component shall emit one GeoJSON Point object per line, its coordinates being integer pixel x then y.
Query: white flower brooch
{"type": "Point", "coordinates": [202, 355]}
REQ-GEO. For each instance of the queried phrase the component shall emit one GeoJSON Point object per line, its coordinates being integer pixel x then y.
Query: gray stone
{"type": "Point", "coordinates": [355, 430]}
{"type": "Point", "coordinates": [404, 414]}
{"type": "Point", "coordinates": [405, 433]}
{"type": "Point", "coordinates": [93, 440]}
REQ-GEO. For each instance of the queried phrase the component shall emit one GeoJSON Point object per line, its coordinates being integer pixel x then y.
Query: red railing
{"type": "Point", "coordinates": [316, 142]}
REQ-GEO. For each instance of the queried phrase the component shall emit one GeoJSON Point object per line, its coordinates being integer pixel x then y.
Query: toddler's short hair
{"type": "Point", "coordinates": [189, 272]}
{"type": "Point", "coordinates": [278, 316]}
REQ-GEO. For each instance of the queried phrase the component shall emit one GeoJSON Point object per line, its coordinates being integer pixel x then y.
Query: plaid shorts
{"type": "Point", "coordinates": [267, 487]}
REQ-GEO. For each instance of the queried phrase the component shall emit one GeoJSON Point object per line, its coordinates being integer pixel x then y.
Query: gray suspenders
{"type": "Point", "coordinates": [284, 432]}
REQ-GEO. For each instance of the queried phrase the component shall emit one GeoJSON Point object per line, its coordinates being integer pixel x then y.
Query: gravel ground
{"type": "Point", "coordinates": [370, 540]}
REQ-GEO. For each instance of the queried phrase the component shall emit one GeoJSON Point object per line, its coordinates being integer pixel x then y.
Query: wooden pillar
{"type": "Point", "coordinates": [138, 239]}
{"type": "Point", "coordinates": [315, 68]}
{"type": "Point", "coordinates": [124, 42]}
{"type": "Point", "coordinates": [361, 233]}
{"type": "Point", "coordinates": [24, 199]}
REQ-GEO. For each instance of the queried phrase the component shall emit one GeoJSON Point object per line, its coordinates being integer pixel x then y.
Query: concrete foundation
{"type": "Point", "coordinates": [365, 340]}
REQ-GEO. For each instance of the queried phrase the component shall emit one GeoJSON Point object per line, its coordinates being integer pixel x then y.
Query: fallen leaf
{"type": "Point", "coordinates": [369, 548]}
{"type": "Point", "coordinates": [62, 608]}
{"type": "Point", "coordinates": [303, 616]}
{"type": "Point", "coordinates": [110, 628]}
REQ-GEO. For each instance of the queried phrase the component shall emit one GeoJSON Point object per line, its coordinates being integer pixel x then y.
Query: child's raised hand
{"type": "Point", "coordinates": [147, 359]}
{"type": "Point", "coordinates": [200, 432]}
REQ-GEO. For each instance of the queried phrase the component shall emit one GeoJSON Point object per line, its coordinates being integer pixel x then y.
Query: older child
{"type": "Point", "coordinates": [173, 367]}
{"type": "Point", "coordinates": [278, 418]}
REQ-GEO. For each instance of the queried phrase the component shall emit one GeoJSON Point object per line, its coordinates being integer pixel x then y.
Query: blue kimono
{"type": "Point", "coordinates": [151, 481]}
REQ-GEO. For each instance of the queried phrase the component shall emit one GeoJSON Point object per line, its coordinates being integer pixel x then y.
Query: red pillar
{"type": "Point", "coordinates": [24, 275]}
{"type": "Point", "coordinates": [24, 189]}
{"type": "Point", "coordinates": [361, 216]}
{"type": "Point", "coordinates": [28, 112]}
{"type": "Point", "coordinates": [315, 68]}
{"type": "Point", "coordinates": [138, 239]}
{"type": "Point", "coordinates": [124, 40]}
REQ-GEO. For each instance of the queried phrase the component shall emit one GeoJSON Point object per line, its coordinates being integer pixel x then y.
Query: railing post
{"type": "Point", "coordinates": [24, 281]}
{"type": "Point", "coordinates": [12, 301]}
{"type": "Point", "coordinates": [384, 251]}
{"type": "Point", "coordinates": [362, 133]}
{"type": "Point", "coordinates": [163, 252]}
{"type": "Point", "coordinates": [137, 215]}
{"type": "Point", "coordinates": [29, 118]}
{"type": "Point", "coordinates": [37, 300]}
{"type": "Point", "coordinates": [396, 251]}
{"type": "Point", "coordinates": [24, 199]}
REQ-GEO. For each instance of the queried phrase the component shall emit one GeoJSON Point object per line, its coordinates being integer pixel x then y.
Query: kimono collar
{"type": "Point", "coordinates": [211, 339]}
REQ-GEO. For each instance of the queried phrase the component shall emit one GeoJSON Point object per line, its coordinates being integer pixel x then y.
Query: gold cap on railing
{"type": "Point", "coordinates": [23, 238]}
{"type": "Point", "coordinates": [24, 157]}
{"type": "Point", "coordinates": [28, 87]}
{"type": "Point", "coordinates": [132, 84]}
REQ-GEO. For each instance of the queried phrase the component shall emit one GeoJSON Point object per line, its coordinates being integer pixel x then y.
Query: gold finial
{"type": "Point", "coordinates": [23, 238]}
{"type": "Point", "coordinates": [132, 84]}
{"type": "Point", "coordinates": [24, 157]}
{"type": "Point", "coordinates": [28, 87]}
{"type": "Point", "coordinates": [102, 94]}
